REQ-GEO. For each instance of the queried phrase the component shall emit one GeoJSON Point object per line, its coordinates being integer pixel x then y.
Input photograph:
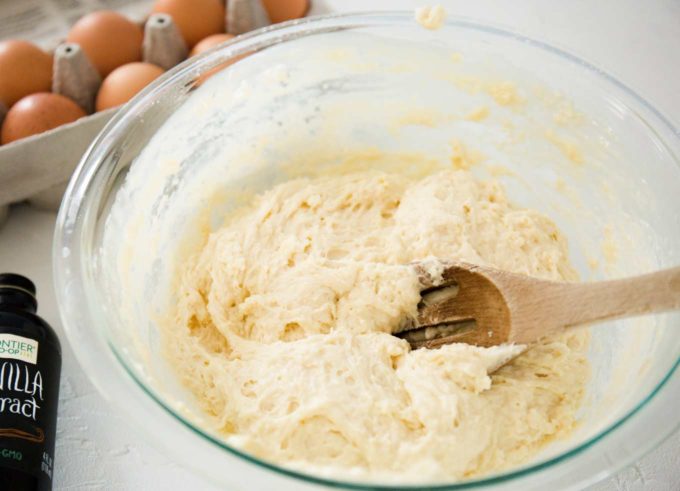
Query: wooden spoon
{"type": "Point", "coordinates": [464, 303]}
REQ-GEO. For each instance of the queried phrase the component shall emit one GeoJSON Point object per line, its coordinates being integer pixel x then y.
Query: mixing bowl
{"type": "Point", "coordinates": [373, 91]}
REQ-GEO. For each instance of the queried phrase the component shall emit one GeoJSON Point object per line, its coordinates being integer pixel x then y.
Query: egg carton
{"type": "Point", "coordinates": [38, 168]}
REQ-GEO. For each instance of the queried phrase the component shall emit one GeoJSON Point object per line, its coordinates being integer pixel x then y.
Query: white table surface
{"type": "Point", "coordinates": [637, 41]}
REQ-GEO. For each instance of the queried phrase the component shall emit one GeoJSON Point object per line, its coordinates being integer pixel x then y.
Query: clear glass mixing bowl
{"type": "Point", "coordinates": [570, 141]}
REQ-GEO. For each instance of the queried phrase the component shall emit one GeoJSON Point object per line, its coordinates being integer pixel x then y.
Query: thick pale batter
{"type": "Point", "coordinates": [282, 330]}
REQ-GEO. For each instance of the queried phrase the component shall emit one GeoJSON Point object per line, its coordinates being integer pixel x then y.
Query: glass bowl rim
{"type": "Point", "coordinates": [70, 218]}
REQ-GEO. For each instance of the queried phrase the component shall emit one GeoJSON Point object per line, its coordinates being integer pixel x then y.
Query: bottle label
{"type": "Point", "coordinates": [29, 388]}
{"type": "Point", "coordinates": [18, 348]}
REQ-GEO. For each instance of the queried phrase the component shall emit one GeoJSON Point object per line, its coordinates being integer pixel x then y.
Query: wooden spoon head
{"type": "Point", "coordinates": [463, 306]}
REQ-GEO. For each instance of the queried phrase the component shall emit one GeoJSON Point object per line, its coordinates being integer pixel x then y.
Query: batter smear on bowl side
{"type": "Point", "coordinates": [283, 327]}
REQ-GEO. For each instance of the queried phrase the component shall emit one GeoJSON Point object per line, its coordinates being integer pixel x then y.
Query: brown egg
{"type": "Point", "coordinates": [37, 113]}
{"type": "Point", "coordinates": [125, 82]}
{"type": "Point", "coordinates": [196, 19]}
{"type": "Point", "coordinates": [108, 39]}
{"type": "Point", "coordinates": [283, 10]}
{"type": "Point", "coordinates": [210, 42]}
{"type": "Point", "coordinates": [24, 69]}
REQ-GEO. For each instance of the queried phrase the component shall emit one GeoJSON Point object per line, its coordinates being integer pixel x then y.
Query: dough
{"type": "Point", "coordinates": [431, 17]}
{"type": "Point", "coordinates": [283, 320]}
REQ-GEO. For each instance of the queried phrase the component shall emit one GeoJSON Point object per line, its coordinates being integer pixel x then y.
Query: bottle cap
{"type": "Point", "coordinates": [18, 292]}
{"type": "Point", "coordinates": [11, 280]}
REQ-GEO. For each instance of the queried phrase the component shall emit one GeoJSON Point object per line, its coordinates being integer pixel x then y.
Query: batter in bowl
{"type": "Point", "coordinates": [283, 330]}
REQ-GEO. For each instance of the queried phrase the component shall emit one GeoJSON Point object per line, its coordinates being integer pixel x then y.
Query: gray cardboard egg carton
{"type": "Point", "coordinates": [39, 167]}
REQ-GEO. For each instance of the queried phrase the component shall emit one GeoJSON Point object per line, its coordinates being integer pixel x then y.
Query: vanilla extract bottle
{"type": "Point", "coordinates": [30, 364]}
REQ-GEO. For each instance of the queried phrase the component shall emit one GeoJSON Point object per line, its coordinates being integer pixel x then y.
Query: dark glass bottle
{"type": "Point", "coordinates": [30, 363]}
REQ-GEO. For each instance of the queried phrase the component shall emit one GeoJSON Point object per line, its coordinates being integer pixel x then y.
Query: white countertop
{"type": "Point", "coordinates": [639, 42]}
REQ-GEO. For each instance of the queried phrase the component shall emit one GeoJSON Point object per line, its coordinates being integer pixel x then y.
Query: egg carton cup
{"type": "Point", "coordinates": [39, 167]}
{"type": "Point", "coordinates": [32, 168]}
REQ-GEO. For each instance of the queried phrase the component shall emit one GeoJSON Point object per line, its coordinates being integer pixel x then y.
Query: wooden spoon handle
{"type": "Point", "coordinates": [655, 292]}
